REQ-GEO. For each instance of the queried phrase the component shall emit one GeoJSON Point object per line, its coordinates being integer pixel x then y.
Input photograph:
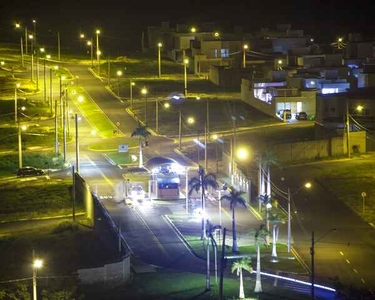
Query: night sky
{"type": "Point", "coordinates": [126, 19]}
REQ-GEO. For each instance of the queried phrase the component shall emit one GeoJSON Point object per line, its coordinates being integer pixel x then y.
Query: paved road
{"type": "Point", "coordinates": [347, 252]}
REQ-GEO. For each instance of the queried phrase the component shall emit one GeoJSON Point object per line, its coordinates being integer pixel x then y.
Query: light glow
{"type": "Point", "coordinates": [80, 99]}
{"type": "Point", "coordinates": [119, 73]}
{"type": "Point", "coordinates": [308, 185]}
{"type": "Point", "coordinates": [38, 263]}
{"type": "Point", "coordinates": [191, 120]}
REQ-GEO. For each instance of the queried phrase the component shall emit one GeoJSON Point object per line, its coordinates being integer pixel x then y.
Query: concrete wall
{"type": "Point", "coordinates": [117, 272]}
{"type": "Point", "coordinates": [83, 195]}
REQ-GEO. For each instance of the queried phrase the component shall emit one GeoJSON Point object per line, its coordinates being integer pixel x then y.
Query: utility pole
{"type": "Point", "coordinates": [180, 129]}
{"type": "Point", "coordinates": [64, 122]}
{"type": "Point", "coordinates": [77, 144]}
{"type": "Point", "coordinates": [222, 265]}
{"type": "Point", "coordinates": [19, 144]}
{"type": "Point", "coordinates": [56, 131]}
{"type": "Point", "coordinates": [74, 195]}
{"type": "Point", "coordinates": [205, 147]}
{"type": "Point", "coordinates": [50, 89]}
{"type": "Point", "coordinates": [289, 225]}
{"type": "Point", "coordinates": [347, 128]}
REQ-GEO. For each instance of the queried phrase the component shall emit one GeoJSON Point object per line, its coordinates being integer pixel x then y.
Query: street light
{"type": "Point", "coordinates": [37, 264]}
{"type": "Point", "coordinates": [144, 92]}
{"type": "Point", "coordinates": [21, 41]}
{"type": "Point", "coordinates": [98, 49]}
{"type": "Point", "coordinates": [15, 102]}
{"type": "Point", "coordinates": [312, 252]}
{"type": "Point", "coordinates": [186, 62]}
{"type": "Point", "coordinates": [159, 58]}
{"type": "Point", "coordinates": [90, 43]}
{"type": "Point", "coordinates": [119, 74]}
{"type": "Point", "coordinates": [131, 84]}
{"type": "Point", "coordinates": [279, 64]}
{"type": "Point", "coordinates": [245, 48]}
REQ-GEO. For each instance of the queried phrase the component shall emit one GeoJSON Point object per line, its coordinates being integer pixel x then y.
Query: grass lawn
{"type": "Point", "coordinates": [9, 161]}
{"type": "Point", "coordinates": [286, 262]}
{"type": "Point", "coordinates": [121, 158]}
{"type": "Point", "coordinates": [169, 284]}
{"type": "Point", "coordinates": [112, 144]}
{"type": "Point", "coordinates": [95, 116]}
{"type": "Point", "coordinates": [35, 198]}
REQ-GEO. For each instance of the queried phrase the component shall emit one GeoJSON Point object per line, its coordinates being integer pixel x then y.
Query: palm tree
{"type": "Point", "coordinates": [142, 133]}
{"type": "Point", "coordinates": [260, 233]}
{"type": "Point", "coordinates": [202, 182]}
{"type": "Point", "coordinates": [268, 158]}
{"type": "Point", "coordinates": [267, 203]}
{"type": "Point", "coordinates": [235, 197]}
{"type": "Point", "coordinates": [243, 264]}
{"type": "Point", "coordinates": [275, 218]}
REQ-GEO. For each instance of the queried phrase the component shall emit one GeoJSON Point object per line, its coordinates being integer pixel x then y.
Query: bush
{"type": "Point", "coordinates": [65, 226]}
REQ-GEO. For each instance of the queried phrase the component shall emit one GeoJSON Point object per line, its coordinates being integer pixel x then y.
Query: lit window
{"type": "Point", "coordinates": [224, 53]}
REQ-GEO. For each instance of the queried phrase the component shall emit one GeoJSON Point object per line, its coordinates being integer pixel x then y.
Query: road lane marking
{"type": "Point", "coordinates": [152, 234]}
{"type": "Point", "coordinates": [341, 253]}
{"type": "Point", "coordinates": [372, 225]}
{"type": "Point", "coordinates": [363, 281]}
{"type": "Point", "coordinates": [100, 171]}
{"type": "Point", "coordinates": [355, 271]}
{"type": "Point", "coordinates": [348, 261]}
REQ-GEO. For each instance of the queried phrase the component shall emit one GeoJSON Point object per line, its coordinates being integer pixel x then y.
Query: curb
{"type": "Point", "coordinates": [181, 236]}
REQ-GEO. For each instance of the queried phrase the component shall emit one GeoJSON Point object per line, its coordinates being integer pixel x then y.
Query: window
{"type": "Point", "coordinates": [224, 53]}
{"type": "Point", "coordinates": [215, 53]}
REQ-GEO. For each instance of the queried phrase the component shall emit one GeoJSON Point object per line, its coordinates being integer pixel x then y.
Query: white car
{"type": "Point", "coordinates": [137, 192]}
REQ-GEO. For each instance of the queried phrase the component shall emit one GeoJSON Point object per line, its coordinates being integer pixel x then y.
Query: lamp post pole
{"type": "Point", "coordinates": [97, 51]}
{"type": "Point", "coordinates": [245, 47]}
{"type": "Point", "coordinates": [159, 58]}
{"type": "Point", "coordinates": [64, 121]}
{"type": "Point", "coordinates": [26, 40]}
{"type": "Point", "coordinates": [131, 83]}
{"type": "Point", "coordinates": [15, 104]}
{"type": "Point", "coordinates": [22, 61]}
{"type": "Point", "coordinates": [312, 252]}
{"type": "Point", "coordinates": [347, 128]}
{"type": "Point", "coordinates": [19, 143]}
{"type": "Point", "coordinates": [50, 89]}
{"type": "Point", "coordinates": [58, 46]}
{"type": "Point", "coordinates": [44, 80]}
{"type": "Point", "coordinates": [289, 224]}
{"type": "Point", "coordinates": [56, 131]}
{"type": "Point", "coordinates": [179, 128]}
{"type": "Point", "coordinates": [186, 61]}
{"type": "Point", "coordinates": [157, 116]}
{"type": "Point", "coordinates": [77, 143]}
{"type": "Point", "coordinates": [35, 296]}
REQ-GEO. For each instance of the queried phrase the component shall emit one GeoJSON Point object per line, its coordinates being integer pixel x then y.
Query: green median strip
{"type": "Point", "coordinates": [95, 116]}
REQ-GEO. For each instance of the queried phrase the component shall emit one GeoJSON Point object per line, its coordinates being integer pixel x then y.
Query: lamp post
{"type": "Point", "coordinates": [15, 103]}
{"type": "Point", "coordinates": [119, 74]}
{"type": "Point", "coordinates": [144, 92]}
{"type": "Point", "coordinates": [37, 264]}
{"type": "Point", "coordinates": [347, 124]}
{"type": "Point", "coordinates": [131, 84]}
{"type": "Point", "coordinates": [156, 116]}
{"type": "Point", "coordinates": [44, 77]}
{"type": "Point", "coordinates": [77, 143]}
{"type": "Point", "coordinates": [21, 41]}
{"type": "Point", "coordinates": [90, 43]}
{"type": "Point", "coordinates": [312, 252]}
{"type": "Point", "coordinates": [20, 128]}
{"type": "Point", "coordinates": [34, 26]}
{"type": "Point", "coordinates": [245, 48]}
{"type": "Point", "coordinates": [186, 62]}
{"type": "Point", "coordinates": [159, 58]}
{"type": "Point", "coordinates": [98, 50]}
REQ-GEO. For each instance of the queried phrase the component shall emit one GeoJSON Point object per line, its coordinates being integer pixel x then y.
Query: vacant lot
{"type": "Point", "coordinates": [28, 199]}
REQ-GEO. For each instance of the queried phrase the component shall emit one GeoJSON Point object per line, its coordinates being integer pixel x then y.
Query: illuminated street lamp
{"type": "Point", "coordinates": [90, 43]}
{"type": "Point", "coordinates": [37, 264]}
{"type": "Point", "coordinates": [98, 52]}
{"type": "Point", "coordinates": [15, 102]}
{"type": "Point", "coordinates": [144, 92]}
{"type": "Point", "coordinates": [245, 48]}
{"type": "Point", "coordinates": [186, 62]}
{"type": "Point", "coordinates": [131, 84]}
{"type": "Point", "coordinates": [159, 58]}
{"type": "Point", "coordinates": [193, 29]}
{"type": "Point", "coordinates": [119, 74]}
{"type": "Point", "coordinates": [21, 41]}
{"type": "Point", "coordinates": [280, 64]}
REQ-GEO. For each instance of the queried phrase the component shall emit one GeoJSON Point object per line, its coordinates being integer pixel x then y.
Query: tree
{"type": "Point", "coordinates": [268, 158]}
{"type": "Point", "coordinates": [235, 198]}
{"type": "Point", "coordinates": [243, 264]}
{"type": "Point", "coordinates": [202, 182]}
{"type": "Point", "coordinates": [142, 133]}
{"type": "Point", "coordinates": [275, 218]}
{"type": "Point", "coordinates": [260, 233]}
{"type": "Point", "coordinates": [266, 202]}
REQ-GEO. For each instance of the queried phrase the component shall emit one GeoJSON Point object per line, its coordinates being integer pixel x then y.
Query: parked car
{"type": "Point", "coordinates": [301, 115]}
{"type": "Point", "coordinates": [287, 112]}
{"type": "Point", "coordinates": [27, 171]}
{"type": "Point", "coordinates": [137, 192]}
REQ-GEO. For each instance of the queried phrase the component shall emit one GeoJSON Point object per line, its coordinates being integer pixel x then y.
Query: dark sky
{"type": "Point", "coordinates": [323, 19]}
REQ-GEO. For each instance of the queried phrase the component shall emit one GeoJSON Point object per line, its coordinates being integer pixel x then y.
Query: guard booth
{"type": "Point", "coordinates": [165, 176]}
